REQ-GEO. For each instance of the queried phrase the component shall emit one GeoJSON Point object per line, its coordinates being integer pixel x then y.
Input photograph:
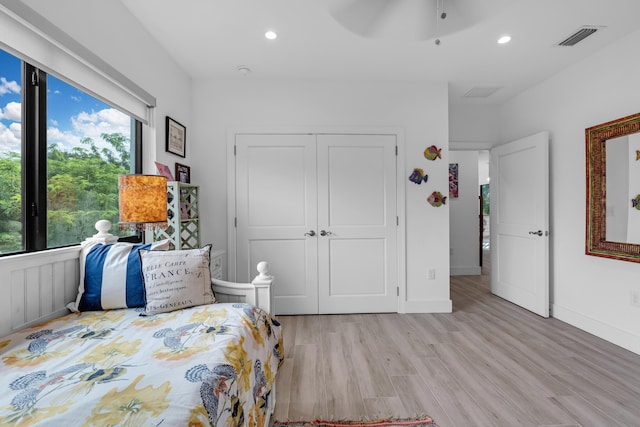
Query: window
{"type": "Point", "coordinates": [61, 151]}
{"type": "Point", "coordinates": [10, 154]}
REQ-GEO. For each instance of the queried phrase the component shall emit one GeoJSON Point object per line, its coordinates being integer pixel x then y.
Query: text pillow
{"type": "Point", "coordinates": [110, 276]}
{"type": "Point", "coordinates": [176, 279]}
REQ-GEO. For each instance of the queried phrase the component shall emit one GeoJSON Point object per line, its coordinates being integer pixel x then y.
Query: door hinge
{"type": "Point", "coordinates": [34, 209]}
{"type": "Point", "coordinates": [397, 220]}
{"type": "Point", "coordinates": [396, 150]}
{"type": "Point", "coordinates": [398, 291]}
{"type": "Point", "coordinates": [34, 78]}
{"type": "Point", "coordinates": [235, 222]}
{"type": "Point", "coordinates": [234, 150]}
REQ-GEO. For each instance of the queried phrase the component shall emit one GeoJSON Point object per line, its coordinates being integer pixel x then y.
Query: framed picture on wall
{"type": "Point", "coordinates": [176, 138]}
{"type": "Point", "coordinates": [453, 180]}
{"type": "Point", "coordinates": [183, 173]}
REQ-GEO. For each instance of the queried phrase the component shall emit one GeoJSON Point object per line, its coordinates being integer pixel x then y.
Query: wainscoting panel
{"type": "Point", "coordinates": [36, 287]}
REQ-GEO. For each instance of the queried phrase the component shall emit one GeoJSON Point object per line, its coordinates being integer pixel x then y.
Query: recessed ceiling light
{"type": "Point", "coordinates": [504, 39]}
{"type": "Point", "coordinates": [271, 35]}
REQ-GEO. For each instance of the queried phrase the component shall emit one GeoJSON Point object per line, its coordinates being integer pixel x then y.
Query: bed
{"type": "Point", "coordinates": [201, 364]}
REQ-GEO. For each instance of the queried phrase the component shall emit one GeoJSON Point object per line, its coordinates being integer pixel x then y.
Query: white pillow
{"type": "Point", "coordinates": [176, 279]}
{"type": "Point", "coordinates": [110, 276]}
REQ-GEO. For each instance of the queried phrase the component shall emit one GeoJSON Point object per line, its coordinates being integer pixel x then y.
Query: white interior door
{"type": "Point", "coordinates": [321, 209]}
{"type": "Point", "coordinates": [520, 222]}
{"type": "Point", "coordinates": [276, 206]}
{"type": "Point", "coordinates": [357, 252]}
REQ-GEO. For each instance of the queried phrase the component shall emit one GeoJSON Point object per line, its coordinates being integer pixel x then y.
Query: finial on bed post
{"type": "Point", "coordinates": [102, 236]}
{"type": "Point", "coordinates": [263, 269]}
{"type": "Point", "coordinates": [262, 284]}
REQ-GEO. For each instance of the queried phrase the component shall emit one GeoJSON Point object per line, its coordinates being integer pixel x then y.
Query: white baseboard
{"type": "Point", "coordinates": [466, 271]}
{"type": "Point", "coordinates": [427, 306]}
{"type": "Point", "coordinates": [602, 330]}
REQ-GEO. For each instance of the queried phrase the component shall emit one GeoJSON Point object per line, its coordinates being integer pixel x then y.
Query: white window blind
{"type": "Point", "coordinates": [29, 36]}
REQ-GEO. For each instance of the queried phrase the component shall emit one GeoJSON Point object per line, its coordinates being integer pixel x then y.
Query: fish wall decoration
{"type": "Point", "coordinates": [432, 153]}
{"type": "Point", "coordinates": [436, 199]}
{"type": "Point", "coordinates": [418, 176]}
{"type": "Point", "coordinates": [635, 203]}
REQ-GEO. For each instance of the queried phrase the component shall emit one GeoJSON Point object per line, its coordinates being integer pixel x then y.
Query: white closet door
{"type": "Point", "coordinates": [357, 243]}
{"type": "Point", "coordinates": [322, 211]}
{"type": "Point", "coordinates": [276, 204]}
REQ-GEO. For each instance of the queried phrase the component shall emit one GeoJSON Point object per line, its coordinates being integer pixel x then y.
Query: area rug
{"type": "Point", "coordinates": [412, 422]}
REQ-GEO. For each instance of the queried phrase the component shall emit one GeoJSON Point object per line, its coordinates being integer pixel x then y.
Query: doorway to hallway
{"type": "Point", "coordinates": [469, 212]}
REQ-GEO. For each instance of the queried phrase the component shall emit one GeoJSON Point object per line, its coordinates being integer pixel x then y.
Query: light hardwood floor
{"type": "Point", "coordinates": [489, 363]}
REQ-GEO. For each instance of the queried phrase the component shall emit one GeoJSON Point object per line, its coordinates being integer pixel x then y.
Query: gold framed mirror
{"type": "Point", "coordinates": [613, 181]}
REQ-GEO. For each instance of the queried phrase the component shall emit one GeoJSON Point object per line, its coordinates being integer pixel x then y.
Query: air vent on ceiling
{"type": "Point", "coordinates": [579, 35]}
{"type": "Point", "coordinates": [481, 92]}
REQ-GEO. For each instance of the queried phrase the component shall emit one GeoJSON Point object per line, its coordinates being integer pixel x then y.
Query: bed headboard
{"type": "Point", "coordinates": [36, 287]}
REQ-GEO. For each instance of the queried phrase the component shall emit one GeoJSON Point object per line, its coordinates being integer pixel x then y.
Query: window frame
{"type": "Point", "coordinates": [34, 161]}
{"type": "Point", "coordinates": [34, 190]}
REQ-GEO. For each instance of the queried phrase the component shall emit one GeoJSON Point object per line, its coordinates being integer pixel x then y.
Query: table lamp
{"type": "Point", "coordinates": [142, 202]}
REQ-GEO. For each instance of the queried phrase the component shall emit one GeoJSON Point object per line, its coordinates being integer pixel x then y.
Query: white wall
{"type": "Point", "coordinates": [483, 167]}
{"type": "Point", "coordinates": [473, 126]}
{"type": "Point", "coordinates": [589, 292]}
{"type": "Point", "coordinates": [419, 108]}
{"type": "Point", "coordinates": [463, 216]}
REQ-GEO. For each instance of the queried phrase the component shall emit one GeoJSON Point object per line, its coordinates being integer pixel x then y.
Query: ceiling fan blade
{"type": "Point", "coordinates": [406, 20]}
{"type": "Point", "coordinates": [411, 20]}
{"type": "Point", "coordinates": [388, 19]}
{"type": "Point", "coordinates": [359, 16]}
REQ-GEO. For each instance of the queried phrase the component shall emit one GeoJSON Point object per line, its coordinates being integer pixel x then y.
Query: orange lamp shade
{"type": "Point", "coordinates": [142, 202]}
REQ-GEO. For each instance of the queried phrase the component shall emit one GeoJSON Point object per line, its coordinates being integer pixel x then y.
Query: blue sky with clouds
{"type": "Point", "coordinates": [71, 114]}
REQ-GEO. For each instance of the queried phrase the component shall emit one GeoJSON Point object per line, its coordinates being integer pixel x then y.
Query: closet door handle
{"type": "Point", "coordinates": [310, 233]}
{"type": "Point", "coordinates": [325, 233]}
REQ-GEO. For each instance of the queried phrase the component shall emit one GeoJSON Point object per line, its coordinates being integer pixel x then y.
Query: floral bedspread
{"type": "Point", "coordinates": [208, 365]}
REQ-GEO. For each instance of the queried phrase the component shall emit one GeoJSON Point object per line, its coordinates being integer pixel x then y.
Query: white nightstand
{"type": "Point", "coordinates": [216, 263]}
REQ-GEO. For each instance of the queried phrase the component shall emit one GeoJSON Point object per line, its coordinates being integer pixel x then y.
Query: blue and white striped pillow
{"type": "Point", "coordinates": [111, 276]}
